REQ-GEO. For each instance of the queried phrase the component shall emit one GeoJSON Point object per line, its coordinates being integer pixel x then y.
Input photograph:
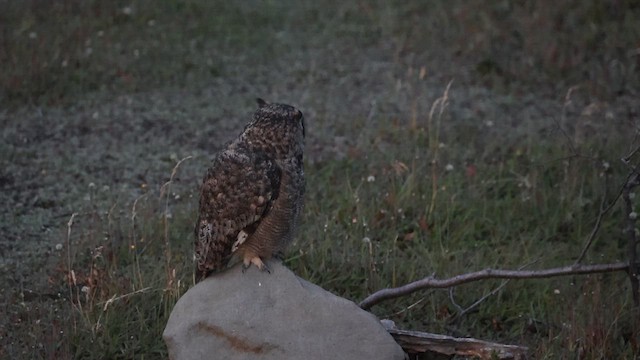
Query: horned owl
{"type": "Point", "coordinates": [252, 194]}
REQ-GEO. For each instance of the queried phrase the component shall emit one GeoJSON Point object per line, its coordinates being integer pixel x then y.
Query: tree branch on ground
{"type": "Point", "coordinates": [417, 342]}
{"type": "Point", "coordinates": [431, 282]}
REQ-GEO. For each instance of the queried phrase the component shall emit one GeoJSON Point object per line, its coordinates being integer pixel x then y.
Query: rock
{"type": "Point", "coordinates": [257, 315]}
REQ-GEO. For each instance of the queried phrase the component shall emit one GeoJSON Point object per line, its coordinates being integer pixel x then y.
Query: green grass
{"type": "Point", "coordinates": [53, 51]}
{"type": "Point", "coordinates": [522, 207]}
{"type": "Point", "coordinates": [383, 210]}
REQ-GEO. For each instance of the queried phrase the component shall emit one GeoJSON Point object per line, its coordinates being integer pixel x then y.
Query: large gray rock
{"type": "Point", "coordinates": [257, 315]}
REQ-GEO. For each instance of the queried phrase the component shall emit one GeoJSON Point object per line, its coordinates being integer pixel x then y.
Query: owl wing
{"type": "Point", "coordinates": [237, 192]}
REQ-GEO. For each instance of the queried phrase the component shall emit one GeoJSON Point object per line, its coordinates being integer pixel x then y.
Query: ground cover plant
{"type": "Point", "coordinates": [443, 138]}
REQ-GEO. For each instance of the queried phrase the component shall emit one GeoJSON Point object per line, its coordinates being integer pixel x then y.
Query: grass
{"type": "Point", "coordinates": [422, 184]}
{"type": "Point", "coordinates": [52, 52]}
{"type": "Point", "coordinates": [389, 218]}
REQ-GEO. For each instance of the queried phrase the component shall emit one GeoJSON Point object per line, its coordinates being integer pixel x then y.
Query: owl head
{"type": "Point", "coordinates": [278, 116]}
{"type": "Point", "coordinates": [275, 129]}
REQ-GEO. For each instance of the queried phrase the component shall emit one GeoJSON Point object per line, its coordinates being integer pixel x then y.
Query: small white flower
{"type": "Point", "coordinates": [449, 167]}
{"type": "Point", "coordinates": [58, 246]}
{"type": "Point", "coordinates": [127, 10]}
{"type": "Point", "coordinates": [92, 185]}
{"type": "Point", "coordinates": [85, 289]}
{"type": "Point", "coordinates": [633, 215]}
{"type": "Point", "coordinates": [371, 178]}
{"type": "Point", "coordinates": [556, 291]}
{"type": "Point", "coordinates": [441, 145]}
{"type": "Point", "coordinates": [606, 165]}
{"type": "Point", "coordinates": [366, 240]}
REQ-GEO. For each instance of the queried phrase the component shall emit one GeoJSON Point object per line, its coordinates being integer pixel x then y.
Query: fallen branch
{"type": "Point", "coordinates": [417, 342]}
{"type": "Point", "coordinates": [431, 282]}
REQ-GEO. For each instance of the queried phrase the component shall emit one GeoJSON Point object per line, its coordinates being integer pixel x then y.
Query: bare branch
{"type": "Point", "coordinates": [431, 282]}
{"type": "Point", "coordinates": [627, 158]}
{"type": "Point", "coordinates": [455, 304]}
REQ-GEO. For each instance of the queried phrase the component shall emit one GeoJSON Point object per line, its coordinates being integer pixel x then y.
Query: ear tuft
{"type": "Point", "coordinates": [261, 103]}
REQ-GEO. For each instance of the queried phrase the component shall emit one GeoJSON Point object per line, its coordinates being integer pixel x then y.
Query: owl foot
{"type": "Point", "coordinates": [246, 263]}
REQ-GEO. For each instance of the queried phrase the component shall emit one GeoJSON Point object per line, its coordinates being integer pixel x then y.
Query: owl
{"type": "Point", "coordinates": [252, 194]}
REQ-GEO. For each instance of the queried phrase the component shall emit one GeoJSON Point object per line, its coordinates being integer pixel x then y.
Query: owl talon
{"type": "Point", "coordinates": [260, 264]}
{"type": "Point", "coordinates": [246, 263]}
{"type": "Point", "coordinates": [266, 268]}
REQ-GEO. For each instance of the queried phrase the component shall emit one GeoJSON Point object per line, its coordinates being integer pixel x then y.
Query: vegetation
{"type": "Point", "coordinates": [504, 168]}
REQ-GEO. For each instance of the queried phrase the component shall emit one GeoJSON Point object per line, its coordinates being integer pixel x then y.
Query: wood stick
{"type": "Point", "coordinates": [431, 282]}
{"type": "Point", "coordinates": [417, 342]}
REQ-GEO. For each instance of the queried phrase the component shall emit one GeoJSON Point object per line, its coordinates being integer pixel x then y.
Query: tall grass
{"type": "Point", "coordinates": [125, 279]}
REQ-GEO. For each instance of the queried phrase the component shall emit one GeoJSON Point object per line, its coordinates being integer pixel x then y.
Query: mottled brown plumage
{"type": "Point", "coordinates": [252, 195]}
